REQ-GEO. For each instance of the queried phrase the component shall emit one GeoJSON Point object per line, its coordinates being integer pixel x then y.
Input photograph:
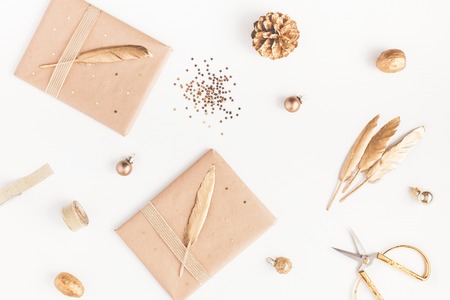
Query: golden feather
{"type": "Point", "coordinates": [391, 157]}
{"type": "Point", "coordinates": [199, 212]}
{"type": "Point", "coordinates": [395, 155]}
{"type": "Point", "coordinates": [376, 147]}
{"type": "Point", "coordinates": [354, 155]}
{"type": "Point", "coordinates": [108, 55]}
{"type": "Point", "coordinates": [378, 144]}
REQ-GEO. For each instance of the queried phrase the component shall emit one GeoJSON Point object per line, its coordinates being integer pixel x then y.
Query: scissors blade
{"type": "Point", "coordinates": [358, 244]}
{"type": "Point", "coordinates": [357, 257]}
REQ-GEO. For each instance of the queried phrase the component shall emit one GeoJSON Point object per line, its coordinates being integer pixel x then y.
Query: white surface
{"type": "Point", "coordinates": [291, 161]}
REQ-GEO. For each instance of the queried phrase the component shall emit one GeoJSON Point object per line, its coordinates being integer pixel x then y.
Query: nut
{"type": "Point", "coordinates": [391, 61]}
{"type": "Point", "coordinates": [69, 285]}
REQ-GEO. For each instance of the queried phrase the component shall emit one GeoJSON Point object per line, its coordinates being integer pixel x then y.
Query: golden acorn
{"type": "Point", "coordinates": [275, 35]}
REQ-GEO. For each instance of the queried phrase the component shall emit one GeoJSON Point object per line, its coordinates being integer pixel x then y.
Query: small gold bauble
{"type": "Point", "coordinates": [282, 264]}
{"type": "Point", "coordinates": [425, 197]}
{"type": "Point", "coordinates": [391, 61]}
{"type": "Point", "coordinates": [125, 166]}
{"type": "Point", "coordinates": [293, 103]}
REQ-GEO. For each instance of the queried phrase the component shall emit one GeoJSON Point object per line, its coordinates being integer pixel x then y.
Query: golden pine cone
{"type": "Point", "coordinates": [275, 35]}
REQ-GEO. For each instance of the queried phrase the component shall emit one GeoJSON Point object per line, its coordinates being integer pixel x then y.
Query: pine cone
{"type": "Point", "coordinates": [275, 35]}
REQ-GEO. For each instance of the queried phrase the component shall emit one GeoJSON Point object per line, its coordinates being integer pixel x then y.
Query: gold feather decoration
{"type": "Point", "coordinates": [108, 55]}
{"type": "Point", "coordinates": [391, 157]}
{"type": "Point", "coordinates": [354, 156]}
{"type": "Point", "coordinates": [375, 149]}
{"type": "Point", "coordinates": [199, 212]}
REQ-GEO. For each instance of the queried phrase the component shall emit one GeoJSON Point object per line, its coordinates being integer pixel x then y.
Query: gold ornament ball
{"type": "Point", "coordinates": [425, 197]}
{"type": "Point", "coordinates": [292, 103]}
{"type": "Point", "coordinates": [283, 265]}
{"type": "Point", "coordinates": [124, 167]}
{"type": "Point", "coordinates": [391, 61]}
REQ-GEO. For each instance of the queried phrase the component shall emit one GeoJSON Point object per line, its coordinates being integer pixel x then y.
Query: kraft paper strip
{"type": "Point", "coordinates": [18, 187]}
{"type": "Point", "coordinates": [69, 55]}
{"type": "Point", "coordinates": [173, 242]}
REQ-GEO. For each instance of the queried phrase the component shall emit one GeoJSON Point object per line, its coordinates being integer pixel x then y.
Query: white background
{"type": "Point", "coordinates": [291, 161]}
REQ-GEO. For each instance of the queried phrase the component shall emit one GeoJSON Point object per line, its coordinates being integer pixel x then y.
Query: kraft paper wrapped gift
{"type": "Point", "coordinates": [235, 219]}
{"type": "Point", "coordinates": [111, 93]}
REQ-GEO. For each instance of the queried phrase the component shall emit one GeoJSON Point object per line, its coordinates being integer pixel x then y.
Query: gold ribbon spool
{"type": "Point", "coordinates": [75, 216]}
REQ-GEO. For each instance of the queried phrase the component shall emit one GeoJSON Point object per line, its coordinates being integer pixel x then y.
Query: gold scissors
{"type": "Point", "coordinates": [366, 260]}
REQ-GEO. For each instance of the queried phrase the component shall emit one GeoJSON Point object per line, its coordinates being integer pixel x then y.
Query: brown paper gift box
{"type": "Point", "coordinates": [235, 219]}
{"type": "Point", "coordinates": [111, 93]}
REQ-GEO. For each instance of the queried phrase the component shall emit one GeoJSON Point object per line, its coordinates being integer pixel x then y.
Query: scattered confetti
{"type": "Point", "coordinates": [208, 92]}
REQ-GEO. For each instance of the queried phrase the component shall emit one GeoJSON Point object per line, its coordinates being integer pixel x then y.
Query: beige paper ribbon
{"type": "Point", "coordinates": [69, 55]}
{"type": "Point", "coordinates": [18, 187]}
{"type": "Point", "coordinates": [173, 242]}
{"type": "Point", "coordinates": [75, 216]}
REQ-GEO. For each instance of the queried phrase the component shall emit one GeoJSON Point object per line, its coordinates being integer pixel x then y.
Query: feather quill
{"type": "Point", "coordinates": [108, 55]}
{"type": "Point", "coordinates": [199, 212]}
{"type": "Point", "coordinates": [375, 149]}
{"type": "Point", "coordinates": [354, 155]}
{"type": "Point", "coordinates": [391, 157]}
{"type": "Point", "coordinates": [395, 155]}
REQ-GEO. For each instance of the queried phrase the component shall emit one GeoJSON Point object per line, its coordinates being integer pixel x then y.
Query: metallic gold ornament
{"type": "Point", "coordinates": [425, 197]}
{"type": "Point", "coordinates": [293, 103]}
{"type": "Point", "coordinates": [125, 166]}
{"type": "Point", "coordinates": [391, 61]}
{"type": "Point", "coordinates": [282, 264]}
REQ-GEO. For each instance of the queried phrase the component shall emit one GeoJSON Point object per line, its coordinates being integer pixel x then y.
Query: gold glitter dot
{"type": "Point", "coordinates": [54, 28]}
{"type": "Point", "coordinates": [96, 103]}
{"type": "Point", "coordinates": [33, 73]}
{"type": "Point", "coordinates": [68, 18]}
{"type": "Point", "coordinates": [128, 93]}
{"type": "Point", "coordinates": [93, 75]}
{"type": "Point", "coordinates": [250, 227]}
{"type": "Point", "coordinates": [105, 35]}
{"type": "Point", "coordinates": [73, 92]}
{"type": "Point", "coordinates": [53, 53]}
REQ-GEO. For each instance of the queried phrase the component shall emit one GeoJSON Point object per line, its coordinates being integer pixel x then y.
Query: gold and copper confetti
{"type": "Point", "coordinates": [208, 92]}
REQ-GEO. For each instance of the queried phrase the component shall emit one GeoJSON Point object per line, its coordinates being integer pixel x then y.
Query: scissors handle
{"type": "Point", "coordinates": [370, 285]}
{"type": "Point", "coordinates": [426, 274]}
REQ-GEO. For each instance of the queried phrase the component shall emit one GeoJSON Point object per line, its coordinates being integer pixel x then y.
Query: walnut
{"type": "Point", "coordinates": [69, 285]}
{"type": "Point", "coordinates": [391, 61]}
